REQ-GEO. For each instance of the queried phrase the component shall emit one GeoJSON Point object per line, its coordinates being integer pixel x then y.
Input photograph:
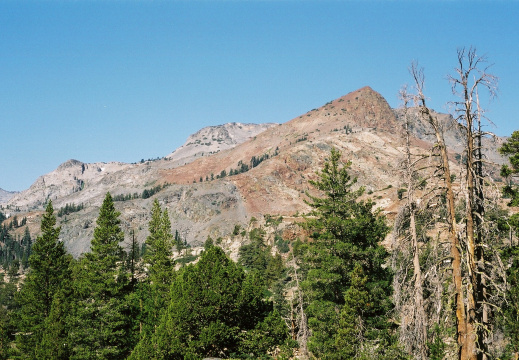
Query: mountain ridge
{"type": "Point", "coordinates": [6, 195]}
{"type": "Point", "coordinates": [361, 124]}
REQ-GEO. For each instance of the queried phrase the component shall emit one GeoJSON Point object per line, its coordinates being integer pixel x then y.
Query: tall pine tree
{"type": "Point", "coordinates": [100, 321]}
{"type": "Point", "coordinates": [159, 269]}
{"type": "Point", "coordinates": [49, 269]}
{"type": "Point", "coordinates": [346, 234]}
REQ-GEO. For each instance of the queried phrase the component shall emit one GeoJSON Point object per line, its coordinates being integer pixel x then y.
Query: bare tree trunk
{"type": "Point", "coordinates": [469, 78]}
{"type": "Point", "coordinates": [469, 233]}
{"type": "Point", "coordinates": [420, 317]}
{"type": "Point", "coordinates": [464, 333]}
{"type": "Point", "coordinates": [303, 333]}
{"type": "Point", "coordinates": [482, 295]}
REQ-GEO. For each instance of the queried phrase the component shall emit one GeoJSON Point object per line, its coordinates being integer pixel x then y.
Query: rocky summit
{"type": "Point", "coordinates": [225, 175]}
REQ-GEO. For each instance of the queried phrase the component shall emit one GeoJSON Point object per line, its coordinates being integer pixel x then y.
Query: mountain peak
{"type": "Point", "coordinates": [364, 108]}
{"type": "Point", "coordinates": [213, 139]}
{"type": "Point", "coordinates": [69, 163]}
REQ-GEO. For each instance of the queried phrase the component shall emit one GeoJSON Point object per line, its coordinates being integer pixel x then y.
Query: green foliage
{"type": "Point", "coordinates": [159, 247]}
{"type": "Point", "coordinates": [215, 310]}
{"type": "Point", "coordinates": [356, 300]}
{"type": "Point", "coordinates": [256, 256]}
{"type": "Point", "coordinates": [8, 308]}
{"type": "Point", "coordinates": [49, 270]}
{"type": "Point", "coordinates": [511, 148]}
{"type": "Point", "coordinates": [400, 193]}
{"type": "Point", "coordinates": [186, 259]}
{"type": "Point", "coordinates": [126, 197]}
{"type": "Point", "coordinates": [160, 267]}
{"type": "Point", "coordinates": [147, 193]}
{"type": "Point", "coordinates": [346, 233]}
{"type": "Point", "coordinates": [281, 244]}
{"type": "Point", "coordinates": [100, 325]}
{"type": "Point", "coordinates": [5, 341]}
{"type": "Point", "coordinates": [243, 167]}
{"type": "Point", "coordinates": [511, 308]}
{"type": "Point", "coordinates": [12, 250]}
{"type": "Point", "coordinates": [54, 344]}
{"type": "Point", "coordinates": [69, 209]}
{"type": "Point", "coordinates": [271, 220]}
{"type": "Point", "coordinates": [437, 345]}
{"type": "Point", "coordinates": [209, 243]}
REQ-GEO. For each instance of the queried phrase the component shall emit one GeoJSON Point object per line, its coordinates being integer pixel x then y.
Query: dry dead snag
{"type": "Point", "coordinates": [469, 238]}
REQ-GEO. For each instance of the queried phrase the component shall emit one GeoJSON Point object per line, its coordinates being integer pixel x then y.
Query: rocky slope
{"type": "Point", "coordinates": [6, 195]}
{"type": "Point", "coordinates": [360, 124]}
{"type": "Point", "coordinates": [213, 139]}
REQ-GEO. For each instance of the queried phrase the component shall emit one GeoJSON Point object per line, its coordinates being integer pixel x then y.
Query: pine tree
{"type": "Point", "coordinates": [345, 231]}
{"type": "Point", "coordinates": [511, 308]}
{"type": "Point", "coordinates": [356, 299]}
{"type": "Point", "coordinates": [160, 267]}
{"type": "Point", "coordinates": [100, 322]}
{"type": "Point", "coordinates": [49, 269]}
{"type": "Point", "coordinates": [27, 245]}
{"type": "Point", "coordinates": [7, 307]}
{"type": "Point", "coordinates": [54, 344]}
{"type": "Point", "coordinates": [511, 148]}
{"type": "Point", "coordinates": [5, 342]}
{"type": "Point", "coordinates": [159, 246]}
{"type": "Point", "coordinates": [215, 310]}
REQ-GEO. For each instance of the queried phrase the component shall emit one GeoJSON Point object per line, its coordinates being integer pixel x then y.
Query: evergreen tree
{"type": "Point", "coordinates": [159, 246]}
{"type": "Point", "coordinates": [54, 344]}
{"type": "Point", "coordinates": [27, 245]}
{"type": "Point", "coordinates": [215, 310]}
{"type": "Point", "coordinates": [346, 233]}
{"type": "Point", "coordinates": [7, 308]}
{"type": "Point", "coordinates": [511, 148]}
{"type": "Point", "coordinates": [49, 269]}
{"type": "Point", "coordinates": [356, 299]}
{"type": "Point", "coordinates": [100, 322]}
{"type": "Point", "coordinates": [257, 256]}
{"type": "Point", "coordinates": [5, 341]}
{"type": "Point", "coordinates": [160, 267]}
{"type": "Point", "coordinates": [511, 254]}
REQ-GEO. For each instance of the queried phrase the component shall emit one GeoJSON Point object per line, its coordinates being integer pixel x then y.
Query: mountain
{"type": "Point", "coordinates": [6, 195]}
{"type": "Point", "coordinates": [270, 166]}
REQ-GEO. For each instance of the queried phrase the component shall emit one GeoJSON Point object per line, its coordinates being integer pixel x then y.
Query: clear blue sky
{"type": "Point", "coordinates": [125, 80]}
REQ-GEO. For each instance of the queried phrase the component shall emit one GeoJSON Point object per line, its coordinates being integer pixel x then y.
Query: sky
{"type": "Point", "coordinates": [102, 81]}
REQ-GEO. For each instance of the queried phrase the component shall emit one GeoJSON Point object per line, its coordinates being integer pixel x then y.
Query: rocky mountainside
{"type": "Point", "coordinates": [6, 195]}
{"type": "Point", "coordinates": [209, 186]}
{"type": "Point", "coordinates": [213, 139]}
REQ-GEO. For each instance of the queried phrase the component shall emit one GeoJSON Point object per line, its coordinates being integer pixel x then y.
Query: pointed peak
{"type": "Point", "coordinates": [363, 107]}
{"type": "Point", "coordinates": [365, 91]}
{"type": "Point", "coordinates": [70, 163]}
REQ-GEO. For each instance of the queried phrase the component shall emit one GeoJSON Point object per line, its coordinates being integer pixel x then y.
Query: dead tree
{"type": "Point", "coordinates": [464, 329]}
{"type": "Point", "coordinates": [413, 326]}
{"type": "Point", "coordinates": [299, 323]}
{"type": "Point", "coordinates": [470, 77]}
